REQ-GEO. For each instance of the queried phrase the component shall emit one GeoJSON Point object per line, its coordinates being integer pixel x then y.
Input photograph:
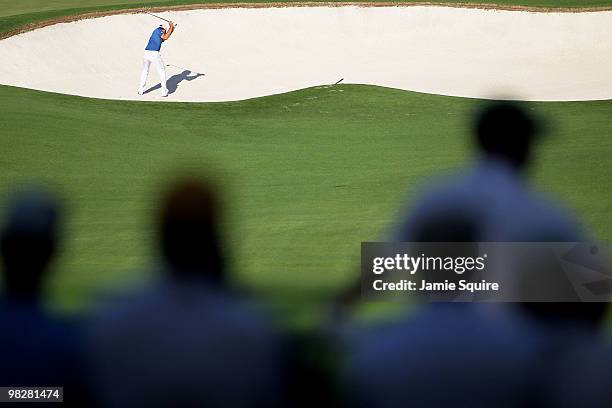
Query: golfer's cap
{"type": "Point", "coordinates": [32, 212]}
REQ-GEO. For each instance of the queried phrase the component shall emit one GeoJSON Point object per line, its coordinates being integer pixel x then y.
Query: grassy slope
{"type": "Point", "coordinates": [313, 172]}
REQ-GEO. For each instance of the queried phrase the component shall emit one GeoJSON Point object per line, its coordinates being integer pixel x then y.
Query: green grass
{"type": "Point", "coordinates": [309, 174]}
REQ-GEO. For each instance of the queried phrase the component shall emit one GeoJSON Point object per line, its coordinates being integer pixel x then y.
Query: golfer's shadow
{"type": "Point", "coordinates": [173, 82]}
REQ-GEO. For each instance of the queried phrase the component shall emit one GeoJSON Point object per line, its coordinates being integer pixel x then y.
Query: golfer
{"type": "Point", "coordinates": [152, 56]}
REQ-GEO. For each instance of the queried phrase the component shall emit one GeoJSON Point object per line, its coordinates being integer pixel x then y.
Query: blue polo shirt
{"type": "Point", "coordinates": [155, 42]}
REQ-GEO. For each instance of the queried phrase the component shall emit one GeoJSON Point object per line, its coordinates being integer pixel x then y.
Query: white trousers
{"type": "Point", "coordinates": [153, 57]}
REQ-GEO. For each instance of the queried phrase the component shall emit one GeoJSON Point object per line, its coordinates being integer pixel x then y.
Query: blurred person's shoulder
{"type": "Point", "coordinates": [38, 347]}
{"type": "Point", "coordinates": [581, 374]}
{"type": "Point", "coordinates": [445, 324]}
{"type": "Point", "coordinates": [454, 195]}
{"type": "Point", "coordinates": [24, 319]}
{"type": "Point", "coordinates": [478, 359]}
{"type": "Point", "coordinates": [538, 217]}
{"type": "Point", "coordinates": [168, 303]}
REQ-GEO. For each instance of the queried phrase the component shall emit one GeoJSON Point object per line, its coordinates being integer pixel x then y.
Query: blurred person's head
{"type": "Point", "coordinates": [189, 230]}
{"type": "Point", "coordinates": [505, 131]}
{"type": "Point", "coordinates": [28, 242]}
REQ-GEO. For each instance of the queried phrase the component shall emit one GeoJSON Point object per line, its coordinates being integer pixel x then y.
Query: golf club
{"type": "Point", "coordinates": [161, 18]}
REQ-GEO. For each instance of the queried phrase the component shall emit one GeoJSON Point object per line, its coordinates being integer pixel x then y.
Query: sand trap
{"type": "Point", "coordinates": [247, 53]}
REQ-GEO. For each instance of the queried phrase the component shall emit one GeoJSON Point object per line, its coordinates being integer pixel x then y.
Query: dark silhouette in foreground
{"type": "Point", "coordinates": [494, 192]}
{"type": "Point", "coordinates": [37, 349]}
{"type": "Point", "coordinates": [484, 355]}
{"type": "Point", "coordinates": [448, 354]}
{"type": "Point", "coordinates": [492, 195]}
{"type": "Point", "coordinates": [188, 341]}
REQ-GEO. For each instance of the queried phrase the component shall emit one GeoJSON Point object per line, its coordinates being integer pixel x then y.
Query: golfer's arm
{"type": "Point", "coordinates": [169, 33]}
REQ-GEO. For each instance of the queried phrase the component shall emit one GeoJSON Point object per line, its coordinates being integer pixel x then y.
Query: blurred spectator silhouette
{"type": "Point", "coordinates": [189, 340]}
{"type": "Point", "coordinates": [492, 196]}
{"type": "Point", "coordinates": [494, 193]}
{"type": "Point", "coordinates": [36, 348]}
{"type": "Point", "coordinates": [574, 361]}
{"type": "Point", "coordinates": [495, 197]}
{"type": "Point", "coordinates": [483, 355]}
{"type": "Point", "coordinates": [449, 354]}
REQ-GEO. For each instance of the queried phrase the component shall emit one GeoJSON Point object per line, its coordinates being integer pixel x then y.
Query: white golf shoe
{"type": "Point", "coordinates": [164, 93]}
{"type": "Point", "coordinates": [141, 92]}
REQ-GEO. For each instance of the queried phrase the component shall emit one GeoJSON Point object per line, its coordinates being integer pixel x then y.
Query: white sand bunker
{"type": "Point", "coordinates": [251, 52]}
